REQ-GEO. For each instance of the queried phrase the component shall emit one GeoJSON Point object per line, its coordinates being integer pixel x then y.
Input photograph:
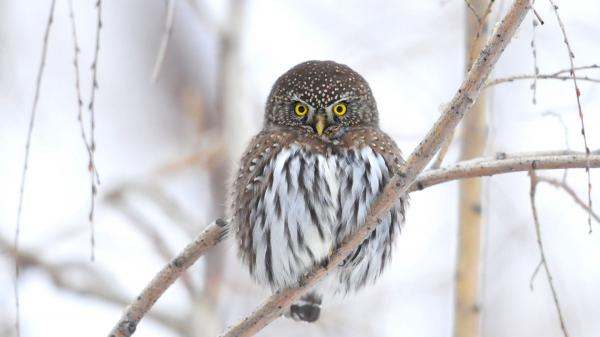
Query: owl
{"type": "Point", "coordinates": [307, 181]}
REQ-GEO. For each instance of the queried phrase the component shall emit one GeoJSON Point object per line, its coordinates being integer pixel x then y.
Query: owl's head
{"type": "Point", "coordinates": [323, 97]}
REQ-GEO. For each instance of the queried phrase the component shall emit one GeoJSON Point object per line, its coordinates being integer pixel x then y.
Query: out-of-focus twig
{"type": "Point", "coordinates": [38, 85]}
{"type": "Point", "coordinates": [89, 282]}
{"type": "Point", "coordinates": [148, 230]}
{"type": "Point", "coordinates": [211, 157]}
{"type": "Point", "coordinates": [134, 312]}
{"type": "Point", "coordinates": [470, 7]}
{"type": "Point", "coordinates": [207, 20]}
{"type": "Point", "coordinates": [578, 97]}
{"type": "Point", "coordinates": [164, 43]}
{"type": "Point", "coordinates": [543, 261]}
{"type": "Point", "coordinates": [474, 132]}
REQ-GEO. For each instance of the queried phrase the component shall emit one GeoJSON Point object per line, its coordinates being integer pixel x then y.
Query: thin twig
{"type": "Point", "coordinates": [158, 242]}
{"type": "Point", "coordinates": [536, 69]}
{"type": "Point", "coordinates": [134, 312]}
{"type": "Point", "coordinates": [84, 137]}
{"type": "Point", "coordinates": [94, 176]}
{"type": "Point", "coordinates": [543, 261]}
{"type": "Point", "coordinates": [537, 15]}
{"type": "Point", "coordinates": [38, 85]}
{"type": "Point", "coordinates": [441, 155]}
{"type": "Point", "coordinates": [208, 157]}
{"type": "Point", "coordinates": [568, 71]}
{"type": "Point", "coordinates": [570, 191]}
{"type": "Point", "coordinates": [92, 108]}
{"type": "Point", "coordinates": [577, 95]}
{"type": "Point", "coordinates": [539, 76]}
{"type": "Point", "coordinates": [534, 275]}
{"type": "Point", "coordinates": [477, 17]}
{"type": "Point", "coordinates": [483, 21]}
{"type": "Point", "coordinates": [78, 91]}
{"type": "Point", "coordinates": [164, 43]}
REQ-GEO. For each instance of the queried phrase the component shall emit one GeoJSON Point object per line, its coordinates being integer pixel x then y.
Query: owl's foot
{"type": "Point", "coordinates": [307, 309]}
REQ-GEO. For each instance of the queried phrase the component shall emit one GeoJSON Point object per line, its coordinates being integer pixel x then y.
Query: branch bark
{"type": "Point", "coordinates": [400, 183]}
{"type": "Point", "coordinates": [132, 315]}
{"type": "Point", "coordinates": [482, 167]}
{"type": "Point", "coordinates": [479, 167]}
{"type": "Point", "coordinates": [396, 187]}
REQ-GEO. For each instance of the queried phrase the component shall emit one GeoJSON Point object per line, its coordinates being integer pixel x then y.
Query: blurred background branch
{"type": "Point", "coordinates": [166, 150]}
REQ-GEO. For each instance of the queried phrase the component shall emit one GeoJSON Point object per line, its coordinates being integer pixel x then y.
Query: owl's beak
{"type": "Point", "coordinates": [320, 124]}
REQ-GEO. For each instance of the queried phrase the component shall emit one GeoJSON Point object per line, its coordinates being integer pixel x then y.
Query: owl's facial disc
{"type": "Point", "coordinates": [324, 97]}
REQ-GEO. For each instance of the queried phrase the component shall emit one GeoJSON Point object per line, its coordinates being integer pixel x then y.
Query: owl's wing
{"type": "Point", "coordinates": [251, 181]}
{"type": "Point", "coordinates": [384, 146]}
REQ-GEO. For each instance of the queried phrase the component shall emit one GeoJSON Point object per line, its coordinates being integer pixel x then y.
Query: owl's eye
{"type": "Point", "coordinates": [340, 109]}
{"type": "Point", "coordinates": [300, 109]}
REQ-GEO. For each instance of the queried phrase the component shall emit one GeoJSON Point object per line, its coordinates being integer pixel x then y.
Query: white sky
{"type": "Point", "coordinates": [412, 54]}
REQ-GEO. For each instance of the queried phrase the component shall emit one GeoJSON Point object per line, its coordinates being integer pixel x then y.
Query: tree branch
{"type": "Point", "coordinates": [89, 282]}
{"type": "Point", "coordinates": [482, 167]}
{"type": "Point", "coordinates": [543, 261]}
{"type": "Point", "coordinates": [570, 191]}
{"type": "Point", "coordinates": [212, 235]}
{"type": "Point", "coordinates": [396, 187]}
{"type": "Point", "coordinates": [401, 182]}
{"type": "Point", "coordinates": [478, 167]}
{"type": "Point", "coordinates": [164, 42]}
{"type": "Point", "coordinates": [578, 98]}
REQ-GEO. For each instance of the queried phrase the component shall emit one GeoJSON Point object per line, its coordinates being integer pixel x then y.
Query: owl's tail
{"type": "Point", "coordinates": [307, 308]}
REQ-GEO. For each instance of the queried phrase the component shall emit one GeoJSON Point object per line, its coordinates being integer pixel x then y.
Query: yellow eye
{"type": "Point", "coordinates": [300, 109]}
{"type": "Point", "coordinates": [340, 109]}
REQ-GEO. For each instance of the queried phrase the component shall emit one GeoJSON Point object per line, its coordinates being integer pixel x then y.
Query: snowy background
{"type": "Point", "coordinates": [162, 148]}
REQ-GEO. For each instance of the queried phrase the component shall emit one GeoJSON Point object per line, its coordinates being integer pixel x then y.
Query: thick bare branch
{"type": "Point", "coordinates": [397, 186]}
{"type": "Point", "coordinates": [212, 235]}
{"type": "Point", "coordinates": [472, 168]}
{"type": "Point", "coordinates": [400, 183]}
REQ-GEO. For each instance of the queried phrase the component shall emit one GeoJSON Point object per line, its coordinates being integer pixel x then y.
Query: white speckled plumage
{"type": "Point", "coordinates": [299, 192]}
